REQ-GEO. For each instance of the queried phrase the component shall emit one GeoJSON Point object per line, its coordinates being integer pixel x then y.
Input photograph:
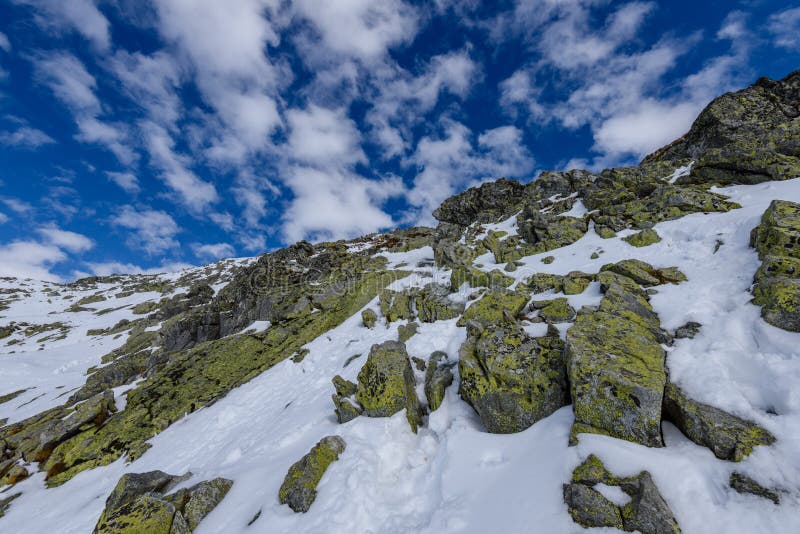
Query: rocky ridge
{"type": "Point", "coordinates": [527, 352]}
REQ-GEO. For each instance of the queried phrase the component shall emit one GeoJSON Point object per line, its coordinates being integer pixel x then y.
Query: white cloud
{"type": "Point", "coordinates": [785, 29]}
{"type": "Point", "coordinates": [3, 218]}
{"type": "Point", "coordinates": [115, 267]}
{"type": "Point", "coordinates": [196, 193]}
{"type": "Point", "coordinates": [150, 230]}
{"type": "Point", "coordinates": [17, 206]}
{"type": "Point", "coordinates": [213, 252]}
{"type": "Point", "coordinates": [323, 137]}
{"type": "Point", "coordinates": [454, 161]}
{"type": "Point", "coordinates": [81, 16]}
{"type": "Point", "coordinates": [28, 259]}
{"type": "Point", "coordinates": [125, 180]}
{"type": "Point", "coordinates": [25, 137]}
{"type": "Point", "coordinates": [363, 29]}
{"type": "Point", "coordinates": [333, 204]}
{"type": "Point", "coordinates": [65, 239]}
{"type": "Point", "coordinates": [5, 44]}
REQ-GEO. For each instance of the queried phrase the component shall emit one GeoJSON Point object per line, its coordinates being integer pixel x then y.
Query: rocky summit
{"type": "Point", "coordinates": [614, 349]}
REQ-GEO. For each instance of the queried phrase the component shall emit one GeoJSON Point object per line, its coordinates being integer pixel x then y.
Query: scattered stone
{"type": "Point", "coordinates": [541, 282]}
{"type": "Point", "coordinates": [345, 407]}
{"type": "Point", "coordinates": [576, 282]}
{"type": "Point", "coordinates": [644, 238]}
{"type": "Point", "coordinates": [687, 331]}
{"type": "Point", "coordinates": [477, 278]}
{"type": "Point", "coordinates": [594, 256]}
{"type": "Point", "coordinates": [438, 377]}
{"type": "Point", "coordinates": [351, 359]}
{"type": "Point", "coordinates": [604, 231]}
{"type": "Point", "coordinates": [511, 379]}
{"type": "Point", "coordinates": [547, 260]}
{"type": "Point", "coordinates": [495, 307]}
{"type": "Point", "coordinates": [6, 502]}
{"type": "Point", "coordinates": [300, 355]}
{"type": "Point", "coordinates": [369, 318]}
{"type": "Point", "coordinates": [433, 304]}
{"type": "Point", "coordinates": [645, 274]}
{"type": "Point", "coordinates": [419, 363]}
{"type": "Point", "coordinates": [555, 311]}
{"type": "Point", "coordinates": [647, 512]}
{"type": "Point", "coordinates": [140, 503]}
{"type": "Point", "coordinates": [406, 331]}
{"type": "Point", "coordinates": [299, 488]}
{"type": "Point", "coordinates": [744, 484]}
{"type": "Point", "coordinates": [386, 384]}
{"type": "Point", "coordinates": [729, 437]}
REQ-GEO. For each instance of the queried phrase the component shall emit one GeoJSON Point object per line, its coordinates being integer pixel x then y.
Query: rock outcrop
{"type": "Point", "coordinates": [777, 283]}
{"type": "Point", "coordinates": [140, 503]}
{"type": "Point", "coordinates": [438, 377]}
{"type": "Point", "coordinates": [299, 488]}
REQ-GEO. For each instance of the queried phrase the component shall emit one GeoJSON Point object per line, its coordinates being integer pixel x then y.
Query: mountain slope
{"type": "Point", "coordinates": [226, 372]}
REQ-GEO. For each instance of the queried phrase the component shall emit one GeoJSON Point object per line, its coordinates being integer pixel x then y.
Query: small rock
{"type": "Point", "coordinates": [687, 331]}
{"type": "Point", "coordinates": [299, 488]}
{"type": "Point", "coordinates": [438, 377]}
{"type": "Point", "coordinates": [419, 363]}
{"type": "Point", "coordinates": [744, 484]}
{"type": "Point", "coordinates": [547, 260]}
{"type": "Point", "coordinates": [406, 331]}
{"type": "Point", "coordinates": [643, 239]}
{"type": "Point", "coordinates": [555, 311]}
{"type": "Point", "coordinates": [369, 318]}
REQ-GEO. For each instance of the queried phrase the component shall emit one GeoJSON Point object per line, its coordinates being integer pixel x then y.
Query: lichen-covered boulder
{"type": "Point", "coordinates": [511, 379]}
{"type": "Point", "coordinates": [779, 231]}
{"type": "Point", "coordinates": [397, 305]}
{"type": "Point", "coordinates": [644, 238]}
{"type": "Point", "coordinates": [299, 488]}
{"type": "Point", "coordinates": [616, 367]}
{"type": "Point", "coordinates": [645, 274]}
{"type": "Point", "coordinates": [647, 512]}
{"type": "Point", "coordinates": [434, 304]}
{"type": "Point", "coordinates": [779, 299]}
{"type": "Point", "coordinates": [386, 384]}
{"type": "Point", "coordinates": [407, 331]}
{"type": "Point", "coordinates": [555, 310]}
{"type": "Point", "coordinates": [496, 307]}
{"type": "Point", "coordinates": [576, 282]}
{"type": "Point", "coordinates": [729, 437]}
{"type": "Point", "coordinates": [477, 278]}
{"type": "Point", "coordinates": [140, 503]}
{"type": "Point", "coordinates": [369, 318]}
{"type": "Point", "coordinates": [549, 232]}
{"type": "Point", "coordinates": [489, 203]}
{"type": "Point", "coordinates": [438, 377]}
{"type": "Point", "coordinates": [541, 282]}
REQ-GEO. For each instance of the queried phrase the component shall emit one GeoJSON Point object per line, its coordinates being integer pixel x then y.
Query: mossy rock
{"type": "Point", "coordinates": [477, 278]}
{"type": "Point", "coordinates": [729, 437]}
{"type": "Point", "coordinates": [616, 367]}
{"type": "Point", "coordinates": [644, 238]}
{"type": "Point", "coordinates": [386, 384]}
{"type": "Point", "coordinates": [407, 331]}
{"type": "Point", "coordinates": [555, 311]}
{"type": "Point", "coordinates": [779, 231]}
{"type": "Point", "coordinates": [369, 318]}
{"type": "Point", "coordinates": [645, 274]}
{"type": "Point", "coordinates": [576, 282]}
{"type": "Point", "coordinates": [780, 301]}
{"type": "Point", "coordinates": [397, 305]}
{"type": "Point", "coordinates": [438, 377]}
{"type": "Point", "coordinates": [433, 303]}
{"type": "Point", "coordinates": [604, 231]}
{"type": "Point", "coordinates": [299, 488]}
{"type": "Point", "coordinates": [542, 282]}
{"type": "Point", "coordinates": [511, 379]}
{"type": "Point", "coordinates": [496, 307]}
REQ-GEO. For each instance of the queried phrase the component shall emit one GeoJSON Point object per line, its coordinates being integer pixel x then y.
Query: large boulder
{"type": "Point", "coordinates": [729, 437]}
{"type": "Point", "coordinates": [434, 304]}
{"type": "Point", "coordinates": [511, 379]}
{"type": "Point", "coordinates": [299, 488]}
{"type": "Point", "coordinates": [616, 367]}
{"type": "Point", "coordinates": [140, 503]}
{"type": "Point", "coordinates": [496, 307]}
{"type": "Point", "coordinates": [386, 384]}
{"type": "Point", "coordinates": [491, 202]}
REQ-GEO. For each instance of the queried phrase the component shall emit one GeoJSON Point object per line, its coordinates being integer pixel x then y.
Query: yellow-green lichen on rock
{"type": "Point", "coordinates": [511, 379]}
{"type": "Point", "coordinates": [616, 367]}
{"type": "Point", "coordinates": [386, 384]}
{"type": "Point", "coordinates": [643, 238]}
{"type": "Point", "coordinates": [496, 307]}
{"type": "Point", "coordinates": [299, 488]}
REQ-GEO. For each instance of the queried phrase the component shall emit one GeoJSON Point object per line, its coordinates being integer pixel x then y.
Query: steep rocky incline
{"type": "Point", "coordinates": [591, 318]}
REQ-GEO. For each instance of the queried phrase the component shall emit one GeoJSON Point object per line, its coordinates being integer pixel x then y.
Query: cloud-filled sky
{"type": "Point", "coordinates": [144, 135]}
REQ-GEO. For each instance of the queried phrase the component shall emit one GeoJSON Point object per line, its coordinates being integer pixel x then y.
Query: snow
{"type": "Point", "coordinates": [679, 172]}
{"type": "Point", "coordinates": [453, 477]}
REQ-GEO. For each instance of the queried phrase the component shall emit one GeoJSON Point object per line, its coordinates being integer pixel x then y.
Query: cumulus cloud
{"type": "Point", "coordinates": [81, 16]}
{"type": "Point", "coordinates": [455, 160]}
{"type": "Point", "coordinates": [212, 252]}
{"type": "Point", "coordinates": [152, 231]}
{"type": "Point", "coordinates": [25, 137]}
{"type": "Point", "coordinates": [125, 180]}
{"type": "Point", "coordinates": [65, 239]}
{"type": "Point", "coordinates": [29, 259]}
{"type": "Point", "coordinates": [323, 137]}
{"type": "Point", "coordinates": [116, 267]}
{"type": "Point", "coordinates": [785, 28]}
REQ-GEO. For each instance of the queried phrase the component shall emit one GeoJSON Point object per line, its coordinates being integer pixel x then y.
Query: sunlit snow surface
{"type": "Point", "coordinates": [453, 476]}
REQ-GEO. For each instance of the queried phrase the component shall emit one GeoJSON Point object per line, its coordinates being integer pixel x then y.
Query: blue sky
{"type": "Point", "coordinates": [144, 135]}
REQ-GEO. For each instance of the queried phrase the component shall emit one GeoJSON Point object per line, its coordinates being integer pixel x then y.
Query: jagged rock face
{"type": "Point", "coordinates": [139, 503]}
{"type": "Point", "coordinates": [386, 384]}
{"type": "Point", "coordinates": [646, 512]}
{"type": "Point", "coordinates": [511, 379]}
{"type": "Point", "coordinates": [491, 202]}
{"type": "Point", "coordinates": [299, 488]}
{"type": "Point", "coordinates": [777, 282]}
{"type": "Point", "coordinates": [729, 437]}
{"type": "Point", "coordinates": [616, 368]}
{"type": "Point", "coordinates": [745, 137]}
